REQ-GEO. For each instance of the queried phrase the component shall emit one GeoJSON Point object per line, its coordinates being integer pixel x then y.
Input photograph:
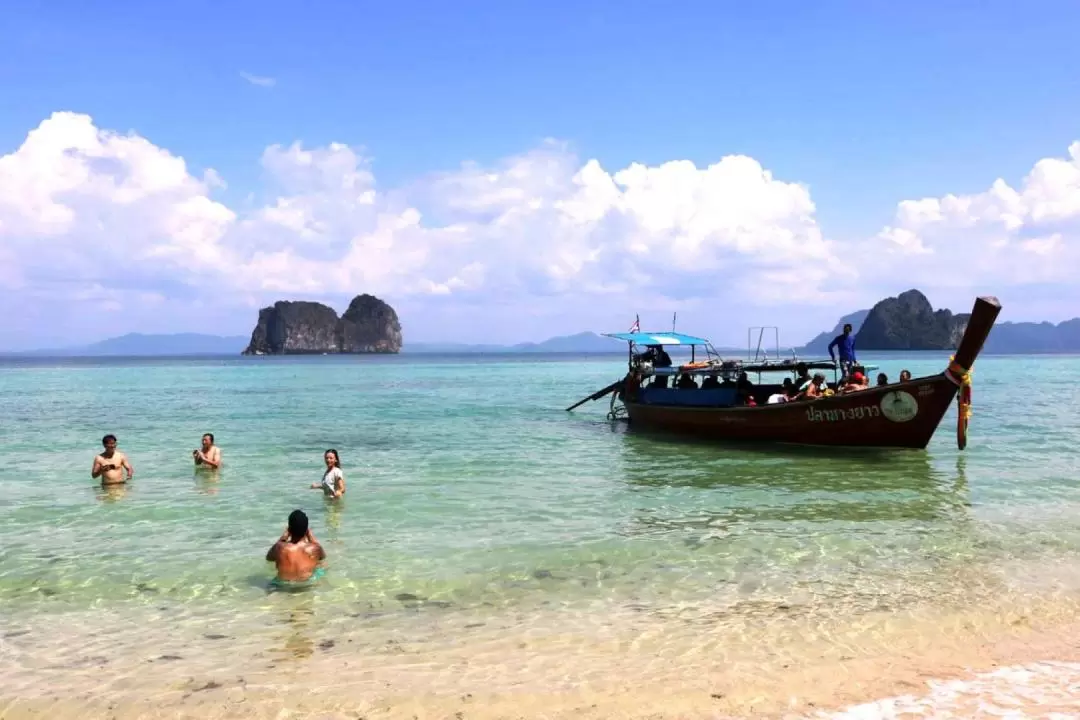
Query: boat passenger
{"type": "Point", "coordinates": [802, 381]}
{"type": "Point", "coordinates": [786, 394]}
{"type": "Point", "coordinates": [657, 356]}
{"type": "Point", "coordinates": [905, 376]}
{"type": "Point", "coordinates": [744, 389]}
{"type": "Point", "coordinates": [686, 382]}
{"type": "Point", "coordinates": [711, 382]}
{"type": "Point", "coordinates": [816, 388]}
{"type": "Point", "coordinates": [882, 379]}
{"type": "Point", "coordinates": [844, 345]}
{"type": "Point", "coordinates": [855, 383]}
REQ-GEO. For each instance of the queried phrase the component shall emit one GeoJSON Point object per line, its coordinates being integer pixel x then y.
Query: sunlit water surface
{"type": "Point", "coordinates": [482, 519]}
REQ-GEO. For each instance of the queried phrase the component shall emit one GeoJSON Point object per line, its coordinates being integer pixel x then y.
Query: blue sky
{"type": "Point", "coordinates": [865, 106]}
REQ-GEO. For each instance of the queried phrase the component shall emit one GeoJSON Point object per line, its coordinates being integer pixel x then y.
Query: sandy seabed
{"type": "Point", "coordinates": [1016, 660]}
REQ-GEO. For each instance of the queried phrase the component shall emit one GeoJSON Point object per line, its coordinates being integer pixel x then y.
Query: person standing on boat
{"type": "Point", "coordinates": [657, 356]}
{"type": "Point", "coordinates": [845, 344]}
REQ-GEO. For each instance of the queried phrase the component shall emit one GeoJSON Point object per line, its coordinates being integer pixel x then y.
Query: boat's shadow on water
{"type": "Point", "coordinates": [766, 448]}
{"type": "Point", "coordinates": [892, 483]}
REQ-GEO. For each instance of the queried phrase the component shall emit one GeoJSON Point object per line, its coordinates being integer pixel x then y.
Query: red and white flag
{"type": "Point", "coordinates": [636, 327]}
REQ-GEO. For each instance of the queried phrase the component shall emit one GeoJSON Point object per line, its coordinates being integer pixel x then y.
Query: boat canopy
{"type": "Point", "coordinates": [736, 366]}
{"type": "Point", "coordinates": [660, 338]}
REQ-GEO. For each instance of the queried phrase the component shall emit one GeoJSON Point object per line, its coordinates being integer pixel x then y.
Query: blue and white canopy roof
{"type": "Point", "coordinates": [662, 338]}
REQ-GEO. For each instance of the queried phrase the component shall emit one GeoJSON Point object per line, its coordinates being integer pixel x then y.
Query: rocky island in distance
{"type": "Point", "coordinates": [368, 325]}
{"type": "Point", "coordinates": [909, 322]}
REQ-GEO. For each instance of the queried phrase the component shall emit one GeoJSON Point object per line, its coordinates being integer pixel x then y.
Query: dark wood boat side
{"type": "Point", "coordinates": [901, 415]}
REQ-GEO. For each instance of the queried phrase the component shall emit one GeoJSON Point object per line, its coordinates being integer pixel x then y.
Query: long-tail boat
{"type": "Point", "coordinates": [897, 415]}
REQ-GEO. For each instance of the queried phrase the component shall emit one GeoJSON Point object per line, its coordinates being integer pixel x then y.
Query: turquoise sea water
{"type": "Point", "coordinates": [470, 488]}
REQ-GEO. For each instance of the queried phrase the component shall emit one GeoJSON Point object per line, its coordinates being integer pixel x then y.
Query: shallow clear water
{"type": "Point", "coordinates": [471, 490]}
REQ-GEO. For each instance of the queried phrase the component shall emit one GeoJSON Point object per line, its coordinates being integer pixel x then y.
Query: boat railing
{"type": "Point", "coordinates": [758, 352]}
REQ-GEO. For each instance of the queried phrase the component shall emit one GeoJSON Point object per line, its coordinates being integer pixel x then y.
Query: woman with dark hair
{"type": "Point", "coordinates": [333, 480]}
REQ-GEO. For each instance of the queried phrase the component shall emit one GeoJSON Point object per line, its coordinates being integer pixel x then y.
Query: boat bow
{"type": "Point", "coordinates": [983, 317]}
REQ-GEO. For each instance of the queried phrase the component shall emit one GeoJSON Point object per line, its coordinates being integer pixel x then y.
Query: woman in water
{"type": "Point", "coordinates": [333, 480]}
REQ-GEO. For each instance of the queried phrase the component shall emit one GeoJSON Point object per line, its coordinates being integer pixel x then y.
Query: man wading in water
{"type": "Point", "coordinates": [209, 455]}
{"type": "Point", "coordinates": [297, 553]}
{"type": "Point", "coordinates": [109, 465]}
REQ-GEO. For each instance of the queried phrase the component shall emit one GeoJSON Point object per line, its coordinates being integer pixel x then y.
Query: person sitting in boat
{"type": "Point", "coordinates": [787, 393]}
{"type": "Point", "coordinates": [905, 376]}
{"type": "Point", "coordinates": [711, 382]}
{"type": "Point", "coordinates": [744, 389]}
{"type": "Point", "coordinates": [686, 382]}
{"type": "Point", "coordinates": [802, 380]}
{"type": "Point", "coordinates": [854, 383]}
{"type": "Point", "coordinates": [816, 388]}
{"type": "Point", "coordinates": [882, 379]}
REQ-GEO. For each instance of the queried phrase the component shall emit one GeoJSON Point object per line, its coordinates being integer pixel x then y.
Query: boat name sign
{"type": "Point", "coordinates": [860, 412]}
{"type": "Point", "coordinates": [897, 406]}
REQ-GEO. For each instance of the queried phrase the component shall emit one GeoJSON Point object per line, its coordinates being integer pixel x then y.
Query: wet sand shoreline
{"type": "Point", "coordinates": [650, 672]}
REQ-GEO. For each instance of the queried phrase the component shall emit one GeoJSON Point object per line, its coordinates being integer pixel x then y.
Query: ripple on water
{"type": "Point", "coordinates": [476, 519]}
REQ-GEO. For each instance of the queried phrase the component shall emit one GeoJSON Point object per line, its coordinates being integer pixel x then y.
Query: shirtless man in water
{"type": "Point", "coordinates": [111, 464]}
{"type": "Point", "coordinates": [297, 553]}
{"type": "Point", "coordinates": [209, 455]}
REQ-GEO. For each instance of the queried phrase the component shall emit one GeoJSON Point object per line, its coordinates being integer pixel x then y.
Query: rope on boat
{"type": "Point", "coordinates": [962, 379]}
{"type": "Point", "coordinates": [618, 412]}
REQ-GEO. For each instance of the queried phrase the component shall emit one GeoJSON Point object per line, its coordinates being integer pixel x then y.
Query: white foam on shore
{"type": "Point", "coordinates": [1048, 690]}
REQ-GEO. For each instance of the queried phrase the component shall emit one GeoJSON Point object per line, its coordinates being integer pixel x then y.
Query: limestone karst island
{"type": "Point", "coordinates": [368, 325]}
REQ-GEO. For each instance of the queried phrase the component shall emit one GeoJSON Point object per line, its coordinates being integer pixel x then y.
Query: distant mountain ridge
{"type": "Point", "coordinates": [1005, 338]}
{"type": "Point", "coordinates": [583, 342]}
{"type": "Point", "coordinates": [909, 322]}
{"type": "Point", "coordinates": [140, 345]}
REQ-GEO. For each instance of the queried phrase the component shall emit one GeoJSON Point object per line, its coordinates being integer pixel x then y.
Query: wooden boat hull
{"type": "Point", "coordinates": [901, 415]}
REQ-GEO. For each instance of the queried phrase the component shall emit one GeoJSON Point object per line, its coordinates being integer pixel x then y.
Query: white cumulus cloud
{"type": "Point", "coordinates": [998, 238]}
{"type": "Point", "coordinates": [109, 219]}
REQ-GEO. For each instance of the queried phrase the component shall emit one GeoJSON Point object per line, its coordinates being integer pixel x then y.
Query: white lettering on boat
{"type": "Point", "coordinates": [899, 406]}
{"type": "Point", "coordinates": [925, 390]}
{"type": "Point", "coordinates": [860, 412]}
